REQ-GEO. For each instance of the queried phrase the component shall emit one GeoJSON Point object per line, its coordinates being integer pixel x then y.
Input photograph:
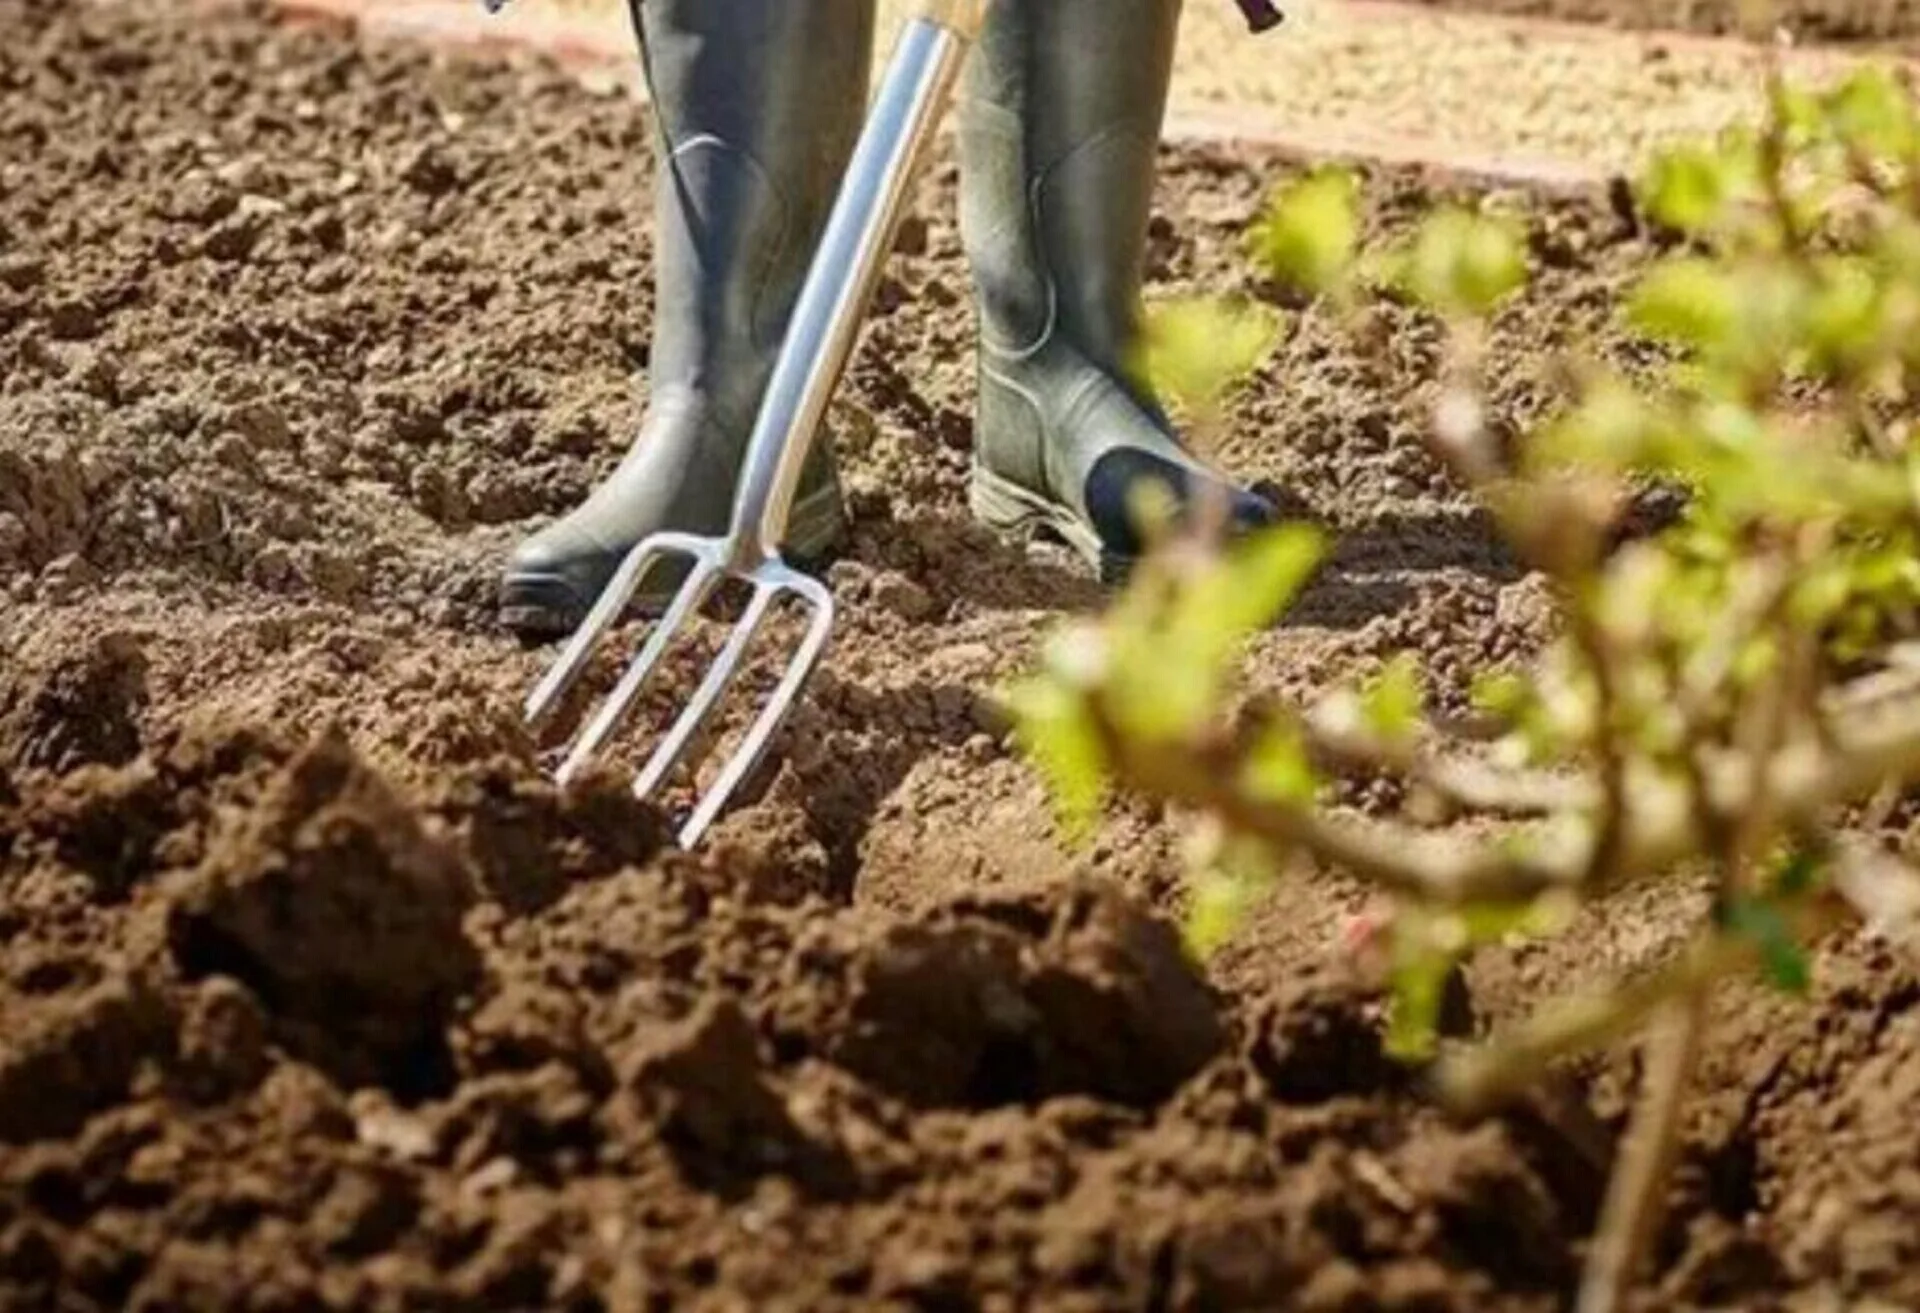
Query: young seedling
{"type": "Point", "coordinates": [1718, 692]}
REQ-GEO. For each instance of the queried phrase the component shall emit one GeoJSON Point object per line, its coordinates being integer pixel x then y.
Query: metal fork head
{"type": "Point", "coordinates": [819, 339]}
{"type": "Point", "coordinates": [771, 581]}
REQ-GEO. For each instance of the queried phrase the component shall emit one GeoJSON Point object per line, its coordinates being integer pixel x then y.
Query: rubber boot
{"type": "Point", "coordinates": [1059, 127]}
{"type": "Point", "coordinates": [758, 105]}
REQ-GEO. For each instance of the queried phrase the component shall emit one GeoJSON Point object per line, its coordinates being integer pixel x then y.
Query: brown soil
{"type": "Point", "coordinates": [314, 994]}
{"type": "Point", "coordinates": [1822, 20]}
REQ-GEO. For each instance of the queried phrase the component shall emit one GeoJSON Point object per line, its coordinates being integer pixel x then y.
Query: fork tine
{"type": "Point", "coordinates": [607, 608]}
{"type": "Point", "coordinates": [754, 746]}
{"type": "Point", "coordinates": [719, 675]}
{"type": "Point", "coordinates": [699, 583]}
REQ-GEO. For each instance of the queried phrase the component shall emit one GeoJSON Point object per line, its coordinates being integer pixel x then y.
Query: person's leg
{"type": "Point", "coordinates": [758, 104]}
{"type": "Point", "coordinates": [1060, 124]}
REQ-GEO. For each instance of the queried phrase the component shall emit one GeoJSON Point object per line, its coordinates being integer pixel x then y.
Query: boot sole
{"type": "Point", "coordinates": [1017, 512]}
{"type": "Point", "coordinates": [544, 606]}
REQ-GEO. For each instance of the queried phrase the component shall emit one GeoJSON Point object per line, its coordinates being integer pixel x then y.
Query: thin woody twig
{"type": "Point", "coordinates": [1634, 1202]}
{"type": "Point", "coordinates": [1482, 1077]}
{"type": "Point", "coordinates": [1465, 782]}
{"type": "Point", "coordinates": [1883, 891]}
{"type": "Point", "coordinates": [1475, 786]}
{"type": "Point", "coordinates": [1610, 825]}
{"type": "Point", "coordinates": [1633, 1194]}
{"type": "Point", "coordinates": [1661, 822]}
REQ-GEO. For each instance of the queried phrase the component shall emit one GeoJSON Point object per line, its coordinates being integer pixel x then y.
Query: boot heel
{"type": "Point", "coordinates": [1000, 505]}
{"type": "Point", "coordinates": [1016, 512]}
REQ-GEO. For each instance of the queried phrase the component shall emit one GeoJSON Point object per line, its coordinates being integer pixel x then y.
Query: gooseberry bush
{"type": "Point", "coordinates": [1733, 700]}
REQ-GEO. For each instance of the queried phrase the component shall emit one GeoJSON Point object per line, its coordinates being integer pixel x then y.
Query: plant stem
{"type": "Point", "coordinates": [1869, 746]}
{"type": "Point", "coordinates": [1634, 1195]}
{"type": "Point", "coordinates": [1478, 1078]}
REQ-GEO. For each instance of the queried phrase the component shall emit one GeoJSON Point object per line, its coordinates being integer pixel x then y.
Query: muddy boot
{"type": "Point", "coordinates": [759, 103]}
{"type": "Point", "coordinates": [1060, 123]}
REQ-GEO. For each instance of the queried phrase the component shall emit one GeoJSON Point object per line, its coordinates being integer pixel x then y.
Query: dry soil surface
{"type": "Point", "coordinates": [314, 994]}
{"type": "Point", "coordinates": [1871, 21]}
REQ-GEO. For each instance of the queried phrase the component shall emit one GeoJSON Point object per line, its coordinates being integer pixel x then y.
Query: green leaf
{"type": "Point", "coordinates": [1782, 960]}
{"type": "Point", "coordinates": [1391, 704]}
{"type": "Point", "coordinates": [1770, 329]}
{"type": "Point", "coordinates": [1174, 640]}
{"type": "Point", "coordinates": [1798, 874]}
{"type": "Point", "coordinates": [1821, 593]}
{"type": "Point", "coordinates": [1255, 580]}
{"type": "Point", "coordinates": [1691, 302]}
{"type": "Point", "coordinates": [1311, 231]}
{"type": "Point", "coordinates": [1843, 316]}
{"type": "Point", "coordinates": [1755, 659]}
{"type": "Point", "coordinates": [1690, 187]}
{"type": "Point", "coordinates": [1418, 981]}
{"type": "Point", "coordinates": [1609, 429]}
{"type": "Point", "coordinates": [1493, 923]}
{"type": "Point", "coordinates": [1169, 667]}
{"type": "Point", "coordinates": [1215, 913]}
{"type": "Point", "coordinates": [1464, 264]}
{"type": "Point", "coordinates": [1276, 769]}
{"type": "Point", "coordinates": [1800, 115]}
{"type": "Point", "coordinates": [1054, 727]}
{"type": "Point", "coordinates": [1873, 113]}
{"type": "Point", "coordinates": [1194, 350]}
{"type": "Point", "coordinates": [1241, 873]}
{"type": "Point", "coordinates": [1499, 693]}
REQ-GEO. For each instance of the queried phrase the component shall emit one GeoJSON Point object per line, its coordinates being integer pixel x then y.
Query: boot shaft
{"type": "Point", "coordinates": [1060, 129]}
{"type": "Point", "coordinates": [758, 104]}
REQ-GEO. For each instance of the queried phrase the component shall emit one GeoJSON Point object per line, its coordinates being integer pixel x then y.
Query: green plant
{"type": "Point", "coordinates": [1718, 693]}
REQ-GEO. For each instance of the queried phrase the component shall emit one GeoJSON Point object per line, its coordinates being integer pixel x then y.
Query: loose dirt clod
{"type": "Point", "coordinates": [1022, 1002]}
{"type": "Point", "coordinates": [701, 1080]}
{"type": "Point", "coordinates": [334, 905]}
{"type": "Point", "coordinates": [72, 1056]}
{"type": "Point", "coordinates": [529, 841]}
{"type": "Point", "coordinates": [1320, 1039]}
{"type": "Point", "coordinates": [223, 1041]}
{"type": "Point", "coordinates": [61, 708]}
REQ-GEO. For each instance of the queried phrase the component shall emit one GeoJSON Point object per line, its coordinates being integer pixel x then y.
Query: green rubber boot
{"type": "Point", "coordinates": [1059, 125]}
{"type": "Point", "coordinates": [759, 103]}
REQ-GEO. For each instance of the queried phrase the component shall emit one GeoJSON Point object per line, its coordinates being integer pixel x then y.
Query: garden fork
{"type": "Point", "coordinates": [906, 111]}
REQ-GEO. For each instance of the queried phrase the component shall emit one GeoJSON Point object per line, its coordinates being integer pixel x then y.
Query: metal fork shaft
{"type": "Point", "coordinates": [833, 300]}
{"type": "Point", "coordinates": [820, 336]}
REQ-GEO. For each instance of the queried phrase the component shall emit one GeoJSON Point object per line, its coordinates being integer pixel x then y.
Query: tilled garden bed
{"type": "Point", "coordinates": [313, 993]}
